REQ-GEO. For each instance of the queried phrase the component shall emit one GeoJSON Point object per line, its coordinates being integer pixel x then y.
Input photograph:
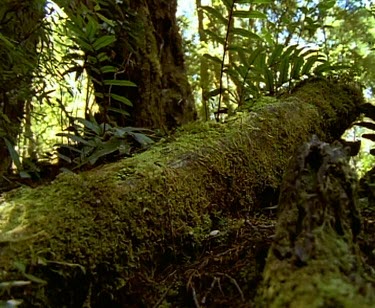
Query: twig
{"type": "Point", "coordinates": [237, 286]}
{"type": "Point", "coordinates": [196, 302]}
{"type": "Point", "coordinates": [163, 296]}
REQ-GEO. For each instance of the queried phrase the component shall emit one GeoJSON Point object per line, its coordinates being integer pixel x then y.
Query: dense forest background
{"type": "Point", "coordinates": [190, 160]}
{"type": "Point", "coordinates": [82, 81]}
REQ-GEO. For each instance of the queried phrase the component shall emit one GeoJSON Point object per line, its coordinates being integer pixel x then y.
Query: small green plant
{"type": "Point", "coordinates": [93, 35]}
{"type": "Point", "coordinates": [90, 141]}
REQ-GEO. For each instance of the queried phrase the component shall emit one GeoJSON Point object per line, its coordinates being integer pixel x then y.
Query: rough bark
{"type": "Point", "coordinates": [173, 226]}
{"type": "Point", "coordinates": [148, 52]}
{"type": "Point", "coordinates": [315, 260]}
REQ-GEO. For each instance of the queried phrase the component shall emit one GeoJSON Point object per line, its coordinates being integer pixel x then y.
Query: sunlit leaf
{"type": "Point", "coordinates": [306, 69]}
{"type": "Point", "coordinates": [249, 14]}
{"type": "Point", "coordinates": [213, 12]}
{"type": "Point", "coordinates": [253, 1]}
{"type": "Point", "coordinates": [245, 33]}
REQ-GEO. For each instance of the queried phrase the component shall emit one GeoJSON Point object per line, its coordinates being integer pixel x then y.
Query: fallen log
{"type": "Point", "coordinates": [314, 260]}
{"type": "Point", "coordinates": [143, 231]}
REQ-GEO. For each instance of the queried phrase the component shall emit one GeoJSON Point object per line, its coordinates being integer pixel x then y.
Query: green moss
{"type": "Point", "coordinates": [127, 222]}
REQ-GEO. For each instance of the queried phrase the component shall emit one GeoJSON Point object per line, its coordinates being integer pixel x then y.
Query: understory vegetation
{"type": "Point", "coordinates": [62, 80]}
{"type": "Point", "coordinates": [142, 154]}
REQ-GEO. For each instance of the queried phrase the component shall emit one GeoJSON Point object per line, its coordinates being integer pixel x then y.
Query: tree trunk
{"type": "Point", "coordinates": [148, 52]}
{"type": "Point", "coordinates": [179, 225]}
{"type": "Point", "coordinates": [315, 260]}
{"type": "Point", "coordinates": [21, 29]}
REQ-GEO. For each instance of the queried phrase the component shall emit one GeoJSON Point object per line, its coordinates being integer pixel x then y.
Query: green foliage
{"type": "Point", "coordinates": [265, 67]}
{"type": "Point", "coordinates": [91, 52]}
{"type": "Point", "coordinates": [90, 141]}
{"type": "Point", "coordinates": [257, 48]}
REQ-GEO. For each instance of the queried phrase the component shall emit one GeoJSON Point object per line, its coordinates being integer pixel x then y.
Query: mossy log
{"type": "Point", "coordinates": [315, 260]}
{"type": "Point", "coordinates": [147, 230]}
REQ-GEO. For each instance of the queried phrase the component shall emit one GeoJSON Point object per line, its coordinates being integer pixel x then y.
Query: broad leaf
{"type": "Point", "coordinates": [249, 14]}
{"type": "Point", "coordinates": [108, 69]}
{"type": "Point", "coordinates": [120, 111]}
{"type": "Point", "coordinates": [142, 139]}
{"type": "Point", "coordinates": [121, 99]}
{"type": "Point", "coordinates": [104, 41]}
{"type": "Point", "coordinates": [213, 12]}
{"type": "Point", "coordinates": [245, 33]}
{"type": "Point", "coordinates": [108, 147]}
{"type": "Point", "coordinates": [13, 154]}
{"type": "Point", "coordinates": [119, 82]}
{"type": "Point", "coordinates": [212, 58]}
{"type": "Point", "coordinates": [93, 126]}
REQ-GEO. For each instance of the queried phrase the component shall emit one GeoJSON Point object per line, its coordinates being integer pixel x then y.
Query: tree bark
{"type": "Point", "coordinates": [315, 260]}
{"type": "Point", "coordinates": [21, 28]}
{"type": "Point", "coordinates": [172, 226]}
{"type": "Point", "coordinates": [148, 52]}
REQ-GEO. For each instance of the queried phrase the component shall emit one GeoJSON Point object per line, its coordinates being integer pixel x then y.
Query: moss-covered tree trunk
{"type": "Point", "coordinates": [180, 225]}
{"type": "Point", "coordinates": [148, 52]}
{"type": "Point", "coordinates": [21, 29]}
